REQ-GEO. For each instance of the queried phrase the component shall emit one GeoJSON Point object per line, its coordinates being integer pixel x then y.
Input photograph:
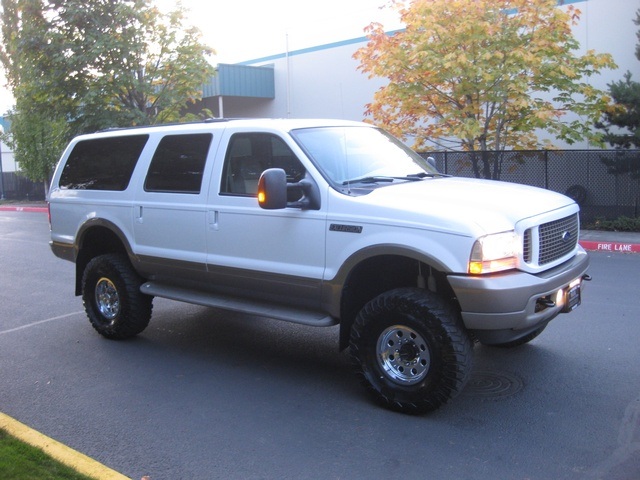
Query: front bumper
{"type": "Point", "coordinates": [511, 301]}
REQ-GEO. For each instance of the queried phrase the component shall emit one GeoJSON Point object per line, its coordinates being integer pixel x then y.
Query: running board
{"type": "Point", "coordinates": [236, 304]}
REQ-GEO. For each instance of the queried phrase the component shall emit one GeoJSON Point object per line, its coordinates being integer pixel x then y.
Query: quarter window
{"type": "Point", "coordinates": [178, 164]}
{"type": "Point", "coordinates": [103, 163]}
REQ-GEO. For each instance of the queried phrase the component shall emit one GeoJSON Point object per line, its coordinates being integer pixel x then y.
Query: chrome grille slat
{"type": "Point", "coordinates": [527, 246]}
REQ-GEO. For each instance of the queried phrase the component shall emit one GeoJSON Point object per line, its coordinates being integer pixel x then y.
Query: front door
{"type": "Point", "coordinates": [268, 254]}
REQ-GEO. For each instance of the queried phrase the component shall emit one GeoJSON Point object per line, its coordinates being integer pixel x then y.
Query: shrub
{"type": "Point", "coordinates": [620, 224]}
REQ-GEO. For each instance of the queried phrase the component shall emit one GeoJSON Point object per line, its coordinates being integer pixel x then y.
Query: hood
{"type": "Point", "coordinates": [460, 203]}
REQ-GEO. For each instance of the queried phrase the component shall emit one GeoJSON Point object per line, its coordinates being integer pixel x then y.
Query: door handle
{"type": "Point", "coordinates": [213, 219]}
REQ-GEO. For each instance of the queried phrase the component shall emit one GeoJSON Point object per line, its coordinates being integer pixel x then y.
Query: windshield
{"type": "Point", "coordinates": [347, 155]}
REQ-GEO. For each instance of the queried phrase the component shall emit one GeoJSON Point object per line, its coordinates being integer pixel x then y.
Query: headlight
{"type": "Point", "coordinates": [494, 253]}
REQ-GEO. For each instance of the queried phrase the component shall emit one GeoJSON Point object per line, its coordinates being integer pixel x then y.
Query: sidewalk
{"type": "Point", "coordinates": [593, 240]}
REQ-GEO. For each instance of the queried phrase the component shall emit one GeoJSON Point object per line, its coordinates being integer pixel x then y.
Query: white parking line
{"type": "Point", "coordinates": [22, 327]}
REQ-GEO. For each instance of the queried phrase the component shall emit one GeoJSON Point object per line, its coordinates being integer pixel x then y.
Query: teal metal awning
{"type": "Point", "coordinates": [241, 81]}
{"type": "Point", "coordinates": [5, 123]}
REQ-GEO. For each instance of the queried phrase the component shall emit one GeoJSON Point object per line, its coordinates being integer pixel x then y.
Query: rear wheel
{"type": "Point", "coordinates": [411, 350]}
{"type": "Point", "coordinates": [112, 298]}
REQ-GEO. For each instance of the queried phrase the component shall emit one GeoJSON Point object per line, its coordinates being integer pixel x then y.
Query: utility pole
{"type": "Point", "coordinates": [2, 197]}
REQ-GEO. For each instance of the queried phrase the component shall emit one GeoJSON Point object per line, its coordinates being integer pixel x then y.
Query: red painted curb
{"type": "Point", "coordinates": [24, 209]}
{"type": "Point", "coordinates": [604, 246]}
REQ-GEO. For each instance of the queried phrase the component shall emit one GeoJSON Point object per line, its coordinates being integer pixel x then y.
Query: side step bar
{"type": "Point", "coordinates": [236, 304]}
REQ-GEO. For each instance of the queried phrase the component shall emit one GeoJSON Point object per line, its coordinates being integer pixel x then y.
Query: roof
{"type": "Point", "coordinates": [256, 124]}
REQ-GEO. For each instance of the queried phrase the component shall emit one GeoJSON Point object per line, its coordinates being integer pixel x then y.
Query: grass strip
{"type": "Point", "coordinates": [76, 461]}
{"type": "Point", "coordinates": [20, 461]}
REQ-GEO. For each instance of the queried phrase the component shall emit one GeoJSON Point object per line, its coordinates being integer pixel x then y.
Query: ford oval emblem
{"type": "Point", "coordinates": [566, 237]}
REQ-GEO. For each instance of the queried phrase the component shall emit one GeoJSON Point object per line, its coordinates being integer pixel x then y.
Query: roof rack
{"type": "Point", "coordinates": [206, 120]}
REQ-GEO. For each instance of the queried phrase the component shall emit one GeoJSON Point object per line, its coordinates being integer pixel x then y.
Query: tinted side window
{"type": "Point", "coordinates": [102, 164]}
{"type": "Point", "coordinates": [178, 164]}
{"type": "Point", "coordinates": [249, 155]}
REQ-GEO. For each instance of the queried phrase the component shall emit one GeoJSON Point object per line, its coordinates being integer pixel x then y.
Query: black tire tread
{"type": "Point", "coordinates": [136, 307]}
{"type": "Point", "coordinates": [456, 356]}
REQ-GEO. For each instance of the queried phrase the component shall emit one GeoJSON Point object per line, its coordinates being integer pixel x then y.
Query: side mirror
{"type": "Point", "coordinates": [272, 189]}
{"type": "Point", "coordinates": [273, 192]}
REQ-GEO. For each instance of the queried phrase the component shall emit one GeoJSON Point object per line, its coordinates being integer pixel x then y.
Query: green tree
{"type": "Point", "coordinates": [39, 127]}
{"type": "Point", "coordinates": [145, 70]}
{"type": "Point", "coordinates": [41, 140]}
{"type": "Point", "coordinates": [483, 75]}
{"type": "Point", "coordinates": [99, 63]}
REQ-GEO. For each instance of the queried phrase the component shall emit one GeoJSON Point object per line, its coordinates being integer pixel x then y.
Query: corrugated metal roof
{"type": "Point", "coordinates": [241, 81]}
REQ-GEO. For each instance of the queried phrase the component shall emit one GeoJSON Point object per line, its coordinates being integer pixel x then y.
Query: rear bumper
{"type": "Point", "coordinates": [508, 301]}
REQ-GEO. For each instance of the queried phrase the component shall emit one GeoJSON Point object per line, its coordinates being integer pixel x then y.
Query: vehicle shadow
{"type": "Point", "coordinates": [246, 354]}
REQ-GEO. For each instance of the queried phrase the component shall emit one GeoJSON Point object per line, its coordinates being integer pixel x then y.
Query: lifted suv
{"type": "Point", "coordinates": [316, 222]}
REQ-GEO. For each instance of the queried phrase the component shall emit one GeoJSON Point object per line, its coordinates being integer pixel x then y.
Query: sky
{"type": "Point", "coordinates": [242, 30]}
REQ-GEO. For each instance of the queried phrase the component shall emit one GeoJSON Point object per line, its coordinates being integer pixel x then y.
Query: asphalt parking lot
{"type": "Point", "coordinates": [209, 394]}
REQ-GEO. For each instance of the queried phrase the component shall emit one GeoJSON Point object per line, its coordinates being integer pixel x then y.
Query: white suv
{"type": "Point", "coordinates": [317, 222]}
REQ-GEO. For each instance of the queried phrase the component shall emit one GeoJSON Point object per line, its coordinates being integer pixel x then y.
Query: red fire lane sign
{"type": "Point", "coordinates": [610, 246]}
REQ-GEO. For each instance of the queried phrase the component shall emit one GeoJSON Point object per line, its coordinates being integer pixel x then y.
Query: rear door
{"type": "Point", "coordinates": [170, 209]}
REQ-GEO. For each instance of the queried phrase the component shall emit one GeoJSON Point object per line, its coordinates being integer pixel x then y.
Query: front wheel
{"type": "Point", "coordinates": [411, 351]}
{"type": "Point", "coordinates": [112, 298]}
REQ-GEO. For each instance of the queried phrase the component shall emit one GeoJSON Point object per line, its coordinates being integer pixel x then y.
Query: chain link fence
{"type": "Point", "coordinates": [606, 183]}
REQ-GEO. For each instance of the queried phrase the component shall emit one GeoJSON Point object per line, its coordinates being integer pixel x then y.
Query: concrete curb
{"type": "Point", "coordinates": [76, 460]}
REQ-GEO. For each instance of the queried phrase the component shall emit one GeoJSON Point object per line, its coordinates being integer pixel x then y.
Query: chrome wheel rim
{"type": "Point", "coordinates": [107, 299]}
{"type": "Point", "coordinates": [403, 354]}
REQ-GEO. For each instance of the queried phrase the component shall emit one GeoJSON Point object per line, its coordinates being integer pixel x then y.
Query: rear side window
{"type": "Point", "coordinates": [178, 164]}
{"type": "Point", "coordinates": [102, 164]}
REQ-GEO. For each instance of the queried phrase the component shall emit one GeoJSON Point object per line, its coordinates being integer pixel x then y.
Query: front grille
{"type": "Point", "coordinates": [554, 240]}
{"type": "Point", "coordinates": [557, 238]}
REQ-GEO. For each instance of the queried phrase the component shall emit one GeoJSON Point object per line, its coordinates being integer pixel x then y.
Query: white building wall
{"type": "Point", "coordinates": [606, 26]}
{"type": "Point", "coordinates": [324, 81]}
{"type": "Point", "coordinates": [8, 162]}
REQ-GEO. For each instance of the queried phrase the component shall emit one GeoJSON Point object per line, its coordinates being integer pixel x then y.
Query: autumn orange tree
{"type": "Point", "coordinates": [483, 75]}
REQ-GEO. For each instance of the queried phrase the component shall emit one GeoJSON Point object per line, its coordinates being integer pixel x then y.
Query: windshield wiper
{"type": "Point", "coordinates": [427, 175]}
{"type": "Point", "coordinates": [370, 179]}
{"type": "Point", "coordinates": [412, 177]}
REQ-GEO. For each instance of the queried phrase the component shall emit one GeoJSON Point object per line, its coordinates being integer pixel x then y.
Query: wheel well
{"type": "Point", "coordinates": [379, 274]}
{"type": "Point", "coordinates": [95, 241]}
